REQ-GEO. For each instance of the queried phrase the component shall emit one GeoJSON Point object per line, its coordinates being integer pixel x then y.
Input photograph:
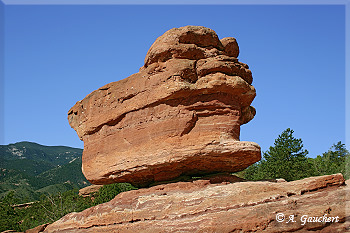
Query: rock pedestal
{"type": "Point", "coordinates": [179, 115]}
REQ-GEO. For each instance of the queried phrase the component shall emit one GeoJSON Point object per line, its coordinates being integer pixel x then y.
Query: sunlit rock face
{"type": "Point", "coordinates": [179, 115]}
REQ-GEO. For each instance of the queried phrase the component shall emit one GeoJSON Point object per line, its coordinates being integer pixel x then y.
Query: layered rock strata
{"type": "Point", "coordinates": [179, 115]}
{"type": "Point", "coordinates": [218, 205]}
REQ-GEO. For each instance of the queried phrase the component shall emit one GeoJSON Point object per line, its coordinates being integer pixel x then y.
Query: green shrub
{"type": "Point", "coordinates": [50, 207]}
{"type": "Point", "coordinates": [9, 216]}
{"type": "Point", "coordinates": [108, 192]}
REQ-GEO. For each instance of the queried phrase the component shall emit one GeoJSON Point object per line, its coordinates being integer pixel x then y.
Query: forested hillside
{"type": "Point", "coordinates": [30, 170]}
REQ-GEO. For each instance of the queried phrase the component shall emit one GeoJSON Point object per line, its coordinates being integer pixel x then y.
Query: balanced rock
{"type": "Point", "coordinates": [179, 115]}
{"type": "Point", "coordinates": [315, 204]}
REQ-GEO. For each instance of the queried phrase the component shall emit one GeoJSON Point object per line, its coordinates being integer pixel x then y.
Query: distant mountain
{"type": "Point", "coordinates": [29, 151]}
{"type": "Point", "coordinates": [31, 169]}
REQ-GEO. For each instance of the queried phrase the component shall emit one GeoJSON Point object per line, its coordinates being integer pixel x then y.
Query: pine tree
{"type": "Point", "coordinates": [335, 160]}
{"type": "Point", "coordinates": [286, 159]}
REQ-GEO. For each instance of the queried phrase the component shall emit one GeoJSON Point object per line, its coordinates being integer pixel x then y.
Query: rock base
{"type": "Point", "coordinates": [218, 205]}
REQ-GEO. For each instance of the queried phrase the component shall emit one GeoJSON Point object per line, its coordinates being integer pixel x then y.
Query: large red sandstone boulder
{"type": "Point", "coordinates": [214, 205]}
{"type": "Point", "coordinates": [179, 115]}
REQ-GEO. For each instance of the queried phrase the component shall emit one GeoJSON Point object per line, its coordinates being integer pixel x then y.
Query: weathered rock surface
{"type": "Point", "coordinates": [214, 205]}
{"type": "Point", "coordinates": [179, 115]}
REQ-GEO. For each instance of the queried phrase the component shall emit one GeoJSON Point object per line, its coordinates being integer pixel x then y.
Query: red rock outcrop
{"type": "Point", "coordinates": [87, 191]}
{"type": "Point", "coordinates": [179, 115]}
{"type": "Point", "coordinates": [218, 205]}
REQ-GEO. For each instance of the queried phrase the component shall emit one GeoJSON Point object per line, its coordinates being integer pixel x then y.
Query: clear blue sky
{"type": "Point", "coordinates": [56, 55]}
